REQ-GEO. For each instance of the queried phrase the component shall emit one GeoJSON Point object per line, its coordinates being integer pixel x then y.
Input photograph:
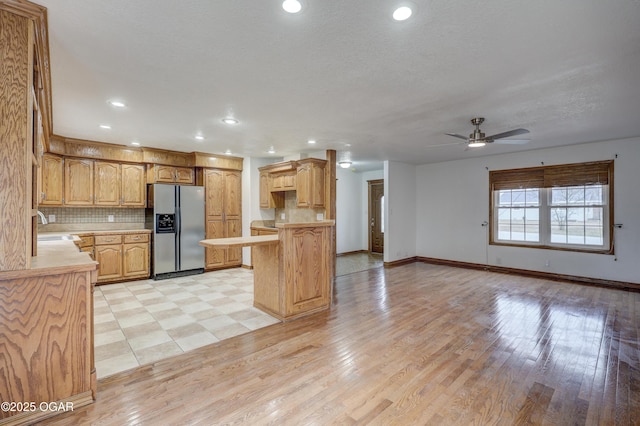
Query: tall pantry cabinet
{"type": "Point", "coordinates": [223, 215]}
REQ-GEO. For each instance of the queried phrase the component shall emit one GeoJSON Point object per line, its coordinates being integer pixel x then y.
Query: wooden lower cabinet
{"type": "Point", "coordinates": [46, 335]}
{"type": "Point", "coordinates": [109, 260]}
{"type": "Point", "coordinates": [218, 258]}
{"type": "Point", "coordinates": [293, 278]}
{"type": "Point", "coordinates": [122, 257]}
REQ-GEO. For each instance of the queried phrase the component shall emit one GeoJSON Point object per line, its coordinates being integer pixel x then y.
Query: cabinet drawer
{"type": "Point", "coordinates": [136, 238]}
{"type": "Point", "coordinates": [85, 241]}
{"type": "Point", "coordinates": [108, 239]}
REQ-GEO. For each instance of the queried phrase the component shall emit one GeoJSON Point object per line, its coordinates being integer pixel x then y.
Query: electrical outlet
{"type": "Point", "coordinates": [320, 216]}
{"type": "Point", "coordinates": [52, 218]}
{"type": "Point", "coordinates": [547, 263]}
{"type": "Point", "coordinates": [282, 216]}
{"type": "Point", "coordinates": [111, 218]}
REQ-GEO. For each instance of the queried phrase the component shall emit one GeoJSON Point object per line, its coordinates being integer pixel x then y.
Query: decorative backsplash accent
{"type": "Point", "coordinates": [293, 213]}
{"type": "Point", "coordinates": [68, 215]}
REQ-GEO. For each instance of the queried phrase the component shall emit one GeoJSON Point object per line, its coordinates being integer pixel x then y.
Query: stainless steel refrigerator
{"type": "Point", "coordinates": [176, 215]}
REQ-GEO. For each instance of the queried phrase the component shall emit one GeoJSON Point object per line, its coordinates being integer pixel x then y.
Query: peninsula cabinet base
{"type": "Point", "coordinates": [291, 278]}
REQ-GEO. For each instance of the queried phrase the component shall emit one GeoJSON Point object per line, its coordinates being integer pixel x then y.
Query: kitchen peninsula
{"type": "Point", "coordinates": [292, 270]}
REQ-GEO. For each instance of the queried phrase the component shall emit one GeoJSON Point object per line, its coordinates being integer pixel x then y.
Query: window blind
{"type": "Point", "coordinates": [594, 173]}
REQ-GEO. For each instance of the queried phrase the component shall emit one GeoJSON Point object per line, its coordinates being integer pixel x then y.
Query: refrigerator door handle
{"type": "Point", "coordinates": [178, 229]}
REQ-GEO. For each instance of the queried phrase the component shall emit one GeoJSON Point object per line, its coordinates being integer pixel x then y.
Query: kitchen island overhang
{"type": "Point", "coordinates": [292, 272]}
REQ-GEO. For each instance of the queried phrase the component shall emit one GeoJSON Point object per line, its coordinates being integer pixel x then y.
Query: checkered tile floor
{"type": "Point", "coordinates": [140, 322]}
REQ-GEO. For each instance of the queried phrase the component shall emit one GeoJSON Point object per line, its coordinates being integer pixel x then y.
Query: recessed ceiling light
{"type": "Point", "coordinates": [402, 13]}
{"type": "Point", "coordinates": [271, 151]}
{"type": "Point", "coordinates": [345, 164]}
{"type": "Point", "coordinates": [291, 6]}
{"type": "Point", "coordinates": [135, 143]}
{"type": "Point", "coordinates": [105, 126]}
{"type": "Point", "coordinates": [118, 104]}
{"type": "Point", "coordinates": [199, 137]}
{"type": "Point", "coordinates": [311, 141]}
{"type": "Point", "coordinates": [228, 152]}
{"type": "Point", "coordinates": [229, 120]}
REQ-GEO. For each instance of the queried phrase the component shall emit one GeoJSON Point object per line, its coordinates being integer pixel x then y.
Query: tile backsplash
{"type": "Point", "coordinates": [293, 213]}
{"type": "Point", "coordinates": [68, 215]}
{"type": "Point", "coordinates": [91, 219]}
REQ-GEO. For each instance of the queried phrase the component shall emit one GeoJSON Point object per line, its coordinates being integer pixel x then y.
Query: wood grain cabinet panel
{"type": "Point", "coordinates": [109, 258]}
{"type": "Point", "coordinates": [46, 335]}
{"type": "Point", "coordinates": [310, 183]}
{"type": "Point", "coordinates": [133, 185]}
{"type": "Point", "coordinates": [265, 191]}
{"type": "Point", "coordinates": [52, 180]}
{"type": "Point", "coordinates": [107, 184]}
{"type": "Point", "coordinates": [135, 260]}
{"type": "Point", "coordinates": [122, 256]}
{"type": "Point", "coordinates": [306, 269]}
{"type": "Point", "coordinates": [78, 182]}
{"type": "Point", "coordinates": [223, 210]}
{"type": "Point", "coordinates": [159, 173]}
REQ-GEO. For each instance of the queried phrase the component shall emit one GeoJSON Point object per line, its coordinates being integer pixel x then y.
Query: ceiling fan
{"type": "Point", "coordinates": [478, 139]}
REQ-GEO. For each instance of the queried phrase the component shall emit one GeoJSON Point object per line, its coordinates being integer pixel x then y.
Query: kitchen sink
{"type": "Point", "coordinates": [54, 237]}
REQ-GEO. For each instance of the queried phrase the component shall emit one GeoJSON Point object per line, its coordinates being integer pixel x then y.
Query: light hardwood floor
{"type": "Point", "coordinates": [414, 344]}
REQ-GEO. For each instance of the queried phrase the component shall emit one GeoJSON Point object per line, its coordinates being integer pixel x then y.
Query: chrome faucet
{"type": "Point", "coordinates": [44, 220]}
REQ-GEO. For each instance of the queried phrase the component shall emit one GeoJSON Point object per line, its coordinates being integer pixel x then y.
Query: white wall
{"type": "Point", "coordinates": [348, 211]}
{"type": "Point", "coordinates": [352, 205]}
{"type": "Point", "coordinates": [251, 199]}
{"type": "Point", "coordinates": [453, 201]}
{"type": "Point", "coordinates": [400, 211]}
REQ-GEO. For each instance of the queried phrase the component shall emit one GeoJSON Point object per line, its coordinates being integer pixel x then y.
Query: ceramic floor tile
{"type": "Point", "coordinates": [230, 331]}
{"type": "Point", "coordinates": [163, 306]}
{"type": "Point", "coordinates": [108, 337]}
{"type": "Point", "coordinates": [111, 350]}
{"type": "Point", "coordinates": [136, 320]}
{"type": "Point", "coordinates": [196, 341]}
{"type": "Point", "coordinates": [155, 353]}
{"type": "Point", "coordinates": [175, 322]}
{"type": "Point", "coordinates": [186, 331]}
{"type": "Point", "coordinates": [195, 307]}
{"type": "Point", "coordinates": [125, 306]}
{"type": "Point", "coordinates": [149, 339]}
{"type": "Point", "coordinates": [231, 307]}
{"type": "Point", "coordinates": [218, 322]}
{"type": "Point", "coordinates": [116, 364]}
{"type": "Point", "coordinates": [142, 329]}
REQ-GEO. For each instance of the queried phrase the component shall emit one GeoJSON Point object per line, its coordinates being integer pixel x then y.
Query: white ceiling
{"type": "Point", "coordinates": [344, 73]}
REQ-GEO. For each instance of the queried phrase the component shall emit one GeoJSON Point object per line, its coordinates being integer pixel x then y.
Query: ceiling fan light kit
{"type": "Point", "coordinates": [478, 138]}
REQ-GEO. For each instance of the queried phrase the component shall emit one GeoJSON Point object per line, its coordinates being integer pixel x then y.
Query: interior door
{"type": "Point", "coordinates": [376, 216]}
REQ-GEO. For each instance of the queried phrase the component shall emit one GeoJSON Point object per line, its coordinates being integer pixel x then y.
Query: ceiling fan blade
{"type": "Point", "coordinates": [455, 135]}
{"type": "Point", "coordinates": [514, 132]}
{"type": "Point", "coordinates": [444, 144]}
{"type": "Point", "coordinates": [511, 141]}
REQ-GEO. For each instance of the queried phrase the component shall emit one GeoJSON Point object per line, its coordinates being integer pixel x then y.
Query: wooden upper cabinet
{"type": "Point", "coordinates": [107, 184]}
{"type": "Point", "coordinates": [214, 189]}
{"type": "Point", "coordinates": [78, 182]}
{"type": "Point", "coordinates": [310, 183]}
{"type": "Point", "coordinates": [265, 191]}
{"type": "Point", "coordinates": [52, 181]}
{"type": "Point", "coordinates": [159, 173]}
{"type": "Point", "coordinates": [284, 181]}
{"type": "Point", "coordinates": [133, 185]}
{"type": "Point", "coordinates": [232, 195]}
{"type": "Point", "coordinates": [184, 175]}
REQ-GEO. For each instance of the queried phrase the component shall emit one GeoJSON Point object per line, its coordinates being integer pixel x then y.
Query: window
{"type": "Point", "coordinates": [566, 207]}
